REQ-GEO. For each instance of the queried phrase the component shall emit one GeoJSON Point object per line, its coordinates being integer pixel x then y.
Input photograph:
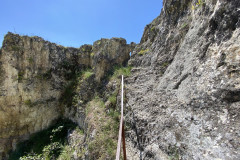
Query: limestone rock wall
{"type": "Point", "coordinates": [34, 73]}
{"type": "Point", "coordinates": [183, 97]}
{"type": "Point", "coordinates": [184, 94]}
{"type": "Point", "coordinates": [29, 89]}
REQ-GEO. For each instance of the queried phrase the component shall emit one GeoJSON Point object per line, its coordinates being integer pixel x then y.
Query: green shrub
{"type": "Point", "coordinates": [32, 157]}
{"type": "Point", "coordinates": [46, 144]}
{"type": "Point", "coordinates": [66, 153]}
{"type": "Point", "coordinates": [52, 150]}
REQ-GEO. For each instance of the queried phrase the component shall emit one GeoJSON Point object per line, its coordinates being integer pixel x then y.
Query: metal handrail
{"type": "Point", "coordinates": [121, 135]}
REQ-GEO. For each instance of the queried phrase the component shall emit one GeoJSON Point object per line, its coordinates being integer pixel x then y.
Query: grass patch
{"type": "Point", "coordinates": [118, 71]}
{"type": "Point", "coordinates": [143, 51]}
{"type": "Point", "coordinates": [114, 114]}
{"type": "Point", "coordinates": [113, 99]}
{"type": "Point", "coordinates": [104, 144]}
{"type": "Point", "coordinates": [86, 74]}
{"type": "Point", "coordinates": [46, 144]}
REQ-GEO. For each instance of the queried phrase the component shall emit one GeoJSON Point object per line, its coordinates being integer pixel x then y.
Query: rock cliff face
{"type": "Point", "coordinates": [34, 75]}
{"type": "Point", "coordinates": [184, 92]}
{"type": "Point", "coordinates": [182, 98]}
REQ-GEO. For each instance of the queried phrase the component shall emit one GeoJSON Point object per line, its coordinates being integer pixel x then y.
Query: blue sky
{"type": "Point", "coordinates": [77, 22]}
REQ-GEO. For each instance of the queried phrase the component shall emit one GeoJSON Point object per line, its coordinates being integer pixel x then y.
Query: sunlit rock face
{"type": "Point", "coordinates": [182, 98]}
{"type": "Point", "coordinates": [30, 87]}
{"type": "Point", "coordinates": [34, 73]}
{"type": "Point", "coordinates": [184, 93]}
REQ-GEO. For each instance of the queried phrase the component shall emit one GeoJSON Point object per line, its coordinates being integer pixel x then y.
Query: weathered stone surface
{"type": "Point", "coordinates": [183, 95]}
{"type": "Point", "coordinates": [108, 53]}
{"type": "Point", "coordinates": [29, 89]}
{"type": "Point", "coordinates": [34, 73]}
{"type": "Point", "coordinates": [183, 98]}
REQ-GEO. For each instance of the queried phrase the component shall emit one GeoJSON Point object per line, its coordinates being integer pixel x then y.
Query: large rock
{"type": "Point", "coordinates": [184, 94]}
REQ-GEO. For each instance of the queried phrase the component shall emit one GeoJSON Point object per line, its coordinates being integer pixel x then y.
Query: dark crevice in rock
{"type": "Point", "coordinates": [213, 25]}
{"type": "Point", "coordinates": [222, 60]}
{"type": "Point", "coordinates": [149, 155]}
{"type": "Point", "coordinates": [180, 81]}
{"type": "Point", "coordinates": [203, 51]}
{"type": "Point", "coordinates": [230, 96]}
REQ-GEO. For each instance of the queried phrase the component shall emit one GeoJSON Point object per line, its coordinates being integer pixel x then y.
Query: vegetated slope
{"type": "Point", "coordinates": [93, 136]}
{"type": "Point", "coordinates": [184, 92]}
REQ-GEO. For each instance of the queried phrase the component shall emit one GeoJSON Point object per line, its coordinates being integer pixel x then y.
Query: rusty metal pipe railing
{"type": "Point", "coordinates": [121, 135]}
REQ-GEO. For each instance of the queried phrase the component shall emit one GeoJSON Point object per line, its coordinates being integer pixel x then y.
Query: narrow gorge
{"type": "Point", "coordinates": [182, 90]}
